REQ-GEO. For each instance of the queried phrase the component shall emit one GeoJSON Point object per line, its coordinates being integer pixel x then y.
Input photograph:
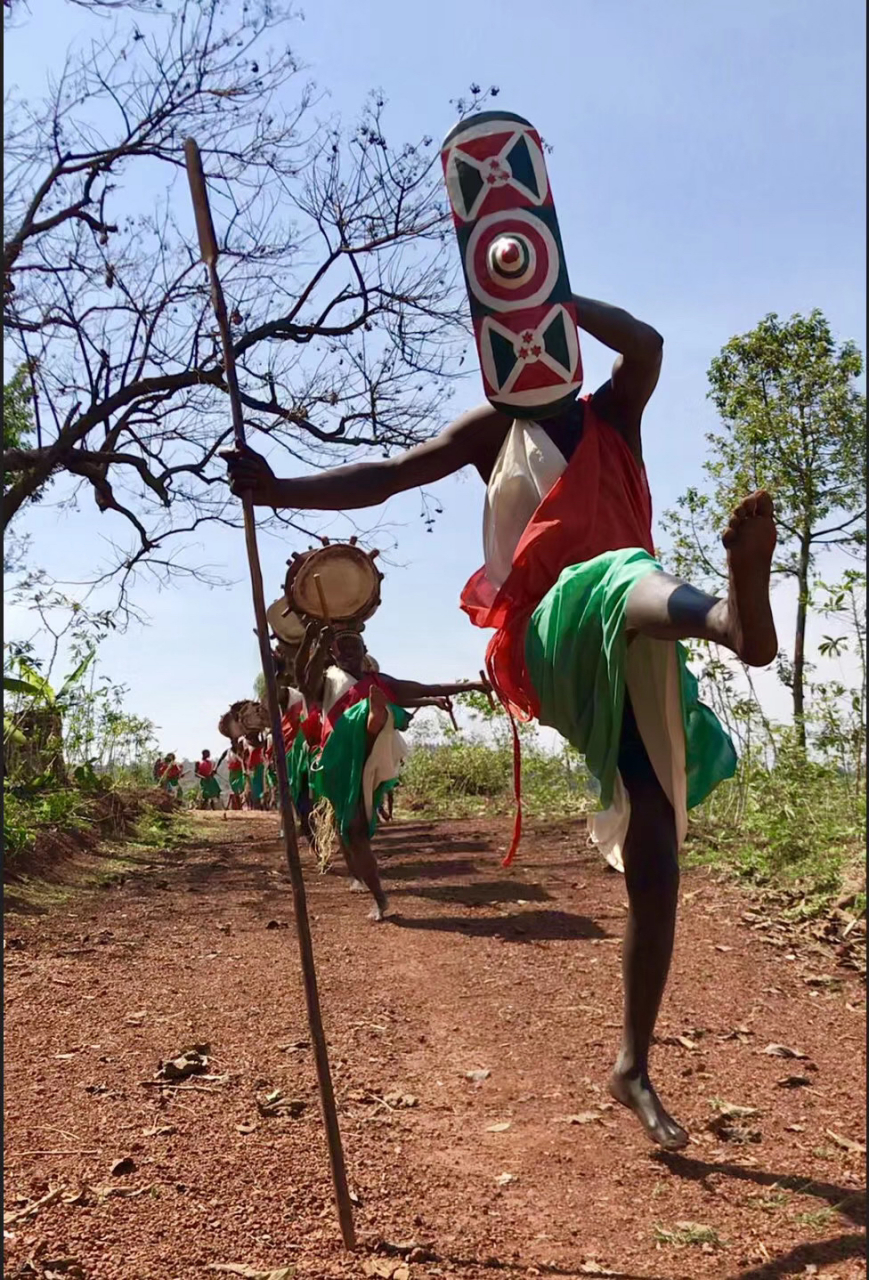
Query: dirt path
{"type": "Point", "coordinates": [522, 1171]}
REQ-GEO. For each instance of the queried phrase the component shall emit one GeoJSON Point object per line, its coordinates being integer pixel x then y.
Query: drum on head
{"type": "Point", "coordinates": [285, 623]}
{"type": "Point", "coordinates": [244, 717]}
{"type": "Point", "coordinates": [349, 579]}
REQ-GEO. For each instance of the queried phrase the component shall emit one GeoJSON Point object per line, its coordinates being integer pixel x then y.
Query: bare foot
{"type": "Point", "coordinates": [637, 1093]}
{"type": "Point", "coordinates": [750, 541]}
{"type": "Point", "coordinates": [378, 911]}
{"type": "Point", "coordinates": [356, 886]}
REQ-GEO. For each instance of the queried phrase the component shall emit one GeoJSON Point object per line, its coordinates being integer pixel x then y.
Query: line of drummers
{"type": "Point", "coordinates": [338, 584]}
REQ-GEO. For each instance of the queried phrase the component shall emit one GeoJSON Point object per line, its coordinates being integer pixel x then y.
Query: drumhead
{"type": "Point", "coordinates": [289, 628]}
{"type": "Point", "coordinates": [348, 576]}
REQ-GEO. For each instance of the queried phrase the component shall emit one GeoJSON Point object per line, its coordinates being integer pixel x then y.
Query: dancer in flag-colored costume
{"type": "Point", "coordinates": [587, 626]}
{"type": "Point", "coordinates": [361, 746]}
{"type": "Point", "coordinates": [235, 769]}
{"type": "Point", "coordinates": [206, 771]}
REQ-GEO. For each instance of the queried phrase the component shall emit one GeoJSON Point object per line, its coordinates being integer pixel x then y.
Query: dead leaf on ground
{"type": "Point", "coordinates": [732, 1129]}
{"type": "Point", "coordinates": [189, 1062]}
{"type": "Point", "coordinates": [62, 1269]}
{"type": "Point", "coordinates": [250, 1127]}
{"type": "Point", "coordinates": [123, 1166]}
{"type": "Point", "coordinates": [501, 1127]}
{"type": "Point", "coordinates": [593, 1268]}
{"type": "Point", "coordinates": [719, 946]}
{"type": "Point", "coordinates": [742, 1034]}
{"type": "Point", "coordinates": [253, 1273]}
{"type": "Point", "coordinates": [29, 1210]}
{"type": "Point", "coordinates": [277, 1104]}
{"type": "Point", "coordinates": [847, 1144]}
{"type": "Point", "coordinates": [477, 1077]}
{"type": "Point", "coordinates": [684, 1041]}
{"type": "Point", "coordinates": [504, 1179]}
{"type": "Point", "coordinates": [580, 1117]}
{"type": "Point", "coordinates": [412, 1250]}
{"type": "Point", "coordinates": [277, 924]}
{"type": "Point", "coordinates": [386, 1269]}
{"type": "Point", "coordinates": [136, 1019]}
{"type": "Point", "coordinates": [732, 1110]}
{"type": "Point", "coordinates": [795, 1128]}
{"type": "Point", "coordinates": [159, 1131]}
{"type": "Point", "coordinates": [110, 1191]}
{"type": "Point", "coordinates": [398, 1099]}
{"type": "Point", "coordinates": [783, 1051]}
{"type": "Point", "coordinates": [793, 1082]}
{"type": "Point", "coordinates": [294, 1046]}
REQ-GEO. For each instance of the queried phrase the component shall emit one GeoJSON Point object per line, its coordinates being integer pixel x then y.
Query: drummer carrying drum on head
{"type": "Point", "coordinates": [361, 747]}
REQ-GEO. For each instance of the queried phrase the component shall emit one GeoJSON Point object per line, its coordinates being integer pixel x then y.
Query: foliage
{"type": "Point", "coordinates": [458, 774]}
{"type": "Point", "coordinates": [17, 414]}
{"type": "Point", "coordinates": [794, 423]}
{"type": "Point", "coordinates": [336, 258]}
{"type": "Point", "coordinates": [799, 820]}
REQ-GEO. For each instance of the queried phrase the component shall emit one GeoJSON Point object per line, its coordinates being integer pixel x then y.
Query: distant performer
{"type": "Point", "coordinates": [209, 786]}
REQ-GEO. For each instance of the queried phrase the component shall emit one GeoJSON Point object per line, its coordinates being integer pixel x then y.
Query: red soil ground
{"type": "Point", "coordinates": [514, 974]}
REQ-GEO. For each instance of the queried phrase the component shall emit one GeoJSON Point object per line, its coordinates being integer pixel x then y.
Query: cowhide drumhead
{"type": "Point", "coordinates": [349, 578]}
{"type": "Point", "coordinates": [285, 622]}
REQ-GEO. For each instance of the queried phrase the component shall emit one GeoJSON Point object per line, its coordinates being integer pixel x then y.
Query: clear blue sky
{"type": "Point", "coordinates": [708, 167]}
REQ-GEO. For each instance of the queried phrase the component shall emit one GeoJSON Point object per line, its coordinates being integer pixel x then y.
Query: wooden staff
{"type": "Point", "coordinates": [208, 249]}
{"type": "Point", "coordinates": [487, 690]}
{"type": "Point", "coordinates": [450, 714]}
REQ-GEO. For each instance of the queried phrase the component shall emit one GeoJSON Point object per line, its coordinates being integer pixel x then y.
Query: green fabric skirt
{"type": "Point", "coordinates": [257, 779]}
{"type": "Point", "coordinates": [236, 782]}
{"type": "Point", "coordinates": [210, 788]}
{"type": "Point", "coordinates": [299, 759]}
{"type": "Point", "coordinates": [336, 774]}
{"type": "Point", "coordinates": [575, 650]}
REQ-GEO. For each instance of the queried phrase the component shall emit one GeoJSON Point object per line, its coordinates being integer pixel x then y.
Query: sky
{"type": "Point", "coordinates": [708, 167]}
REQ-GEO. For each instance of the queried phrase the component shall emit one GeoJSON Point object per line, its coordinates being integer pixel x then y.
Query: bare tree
{"type": "Point", "coordinates": [337, 258]}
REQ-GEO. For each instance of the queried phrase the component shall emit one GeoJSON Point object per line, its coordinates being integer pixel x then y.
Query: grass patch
{"type": "Point", "coordinates": [468, 777]}
{"type": "Point", "coordinates": [817, 1218]}
{"type": "Point", "coordinates": [799, 825]}
{"type": "Point", "coordinates": [684, 1234]}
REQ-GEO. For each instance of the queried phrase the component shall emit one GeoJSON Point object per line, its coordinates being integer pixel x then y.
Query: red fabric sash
{"type": "Point", "coordinates": [291, 722]}
{"type": "Point", "coordinates": [354, 694]}
{"type": "Point", "coordinates": [311, 727]}
{"type": "Point", "coordinates": [600, 502]}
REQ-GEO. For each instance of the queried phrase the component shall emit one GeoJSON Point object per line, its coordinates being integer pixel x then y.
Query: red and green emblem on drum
{"type": "Point", "coordinates": [521, 303]}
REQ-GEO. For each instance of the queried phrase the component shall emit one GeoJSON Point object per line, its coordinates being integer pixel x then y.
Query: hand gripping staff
{"type": "Point", "coordinates": [208, 250]}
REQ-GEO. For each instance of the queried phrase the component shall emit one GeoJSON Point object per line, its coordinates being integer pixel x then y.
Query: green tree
{"type": "Point", "coordinates": [793, 423]}
{"type": "Point", "coordinates": [17, 415]}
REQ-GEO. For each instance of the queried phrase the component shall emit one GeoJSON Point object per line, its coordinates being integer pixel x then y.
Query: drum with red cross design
{"type": "Point", "coordinates": [521, 304]}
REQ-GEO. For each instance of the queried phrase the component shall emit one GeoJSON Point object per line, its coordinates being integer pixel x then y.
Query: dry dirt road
{"type": "Point", "coordinates": [470, 1040]}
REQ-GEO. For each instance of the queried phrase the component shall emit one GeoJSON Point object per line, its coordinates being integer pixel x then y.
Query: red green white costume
{"type": "Point", "coordinates": [565, 541]}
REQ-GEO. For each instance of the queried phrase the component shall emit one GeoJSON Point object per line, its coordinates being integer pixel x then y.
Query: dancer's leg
{"type": "Point", "coordinates": [652, 881]}
{"type": "Point", "coordinates": [666, 608]}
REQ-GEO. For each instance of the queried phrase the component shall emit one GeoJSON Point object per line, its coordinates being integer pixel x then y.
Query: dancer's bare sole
{"type": "Point", "coordinates": [749, 540]}
{"type": "Point", "coordinates": [637, 1093]}
{"type": "Point", "coordinates": [356, 886]}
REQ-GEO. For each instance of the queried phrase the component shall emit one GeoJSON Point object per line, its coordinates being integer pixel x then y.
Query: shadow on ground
{"type": "Point", "coordinates": [521, 926]}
